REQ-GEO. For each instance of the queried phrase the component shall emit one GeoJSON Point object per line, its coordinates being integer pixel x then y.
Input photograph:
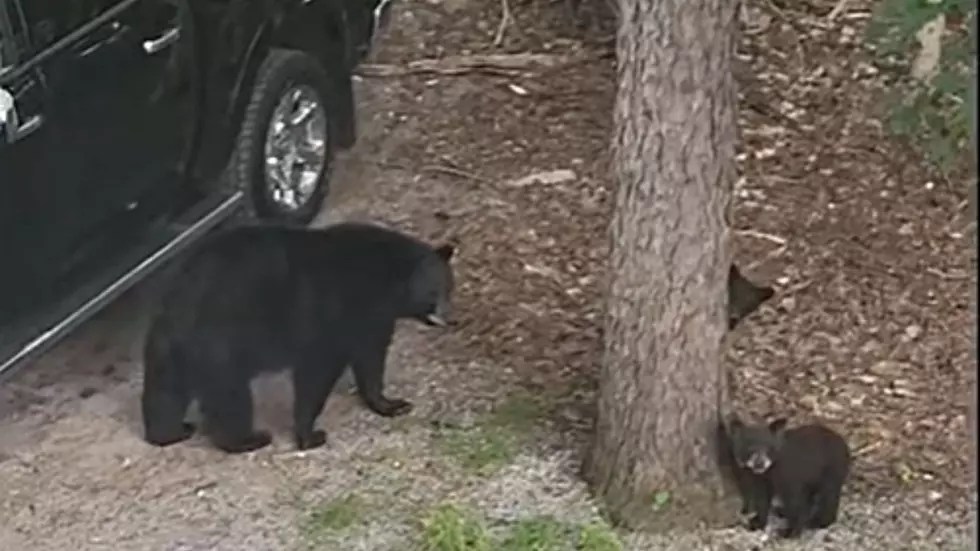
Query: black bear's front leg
{"type": "Point", "coordinates": [368, 363]}
{"type": "Point", "coordinates": [743, 483]}
{"type": "Point", "coordinates": [758, 503]}
{"type": "Point", "coordinates": [165, 397]}
{"type": "Point", "coordinates": [313, 380]}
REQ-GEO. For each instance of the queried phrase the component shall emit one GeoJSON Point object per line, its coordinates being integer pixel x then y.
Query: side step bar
{"type": "Point", "coordinates": [42, 333]}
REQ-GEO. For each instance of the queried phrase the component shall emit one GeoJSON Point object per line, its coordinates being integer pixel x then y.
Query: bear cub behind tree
{"type": "Point", "coordinates": [804, 467]}
{"type": "Point", "coordinates": [258, 298]}
{"type": "Point", "coordinates": [744, 297]}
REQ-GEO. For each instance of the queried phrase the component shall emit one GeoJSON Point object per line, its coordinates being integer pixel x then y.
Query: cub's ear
{"type": "Point", "coordinates": [734, 425]}
{"type": "Point", "coordinates": [777, 428]}
{"type": "Point", "coordinates": [446, 251]}
{"type": "Point", "coordinates": [777, 425]}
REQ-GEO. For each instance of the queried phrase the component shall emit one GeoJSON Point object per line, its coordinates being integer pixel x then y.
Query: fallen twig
{"type": "Point", "coordinates": [455, 172]}
{"type": "Point", "coordinates": [505, 18]}
{"type": "Point", "coordinates": [500, 64]}
{"type": "Point", "coordinates": [840, 8]}
{"type": "Point", "coordinates": [760, 235]}
{"type": "Point", "coordinates": [947, 275]}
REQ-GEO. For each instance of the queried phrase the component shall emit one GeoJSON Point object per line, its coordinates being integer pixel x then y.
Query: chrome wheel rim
{"type": "Point", "coordinates": [296, 148]}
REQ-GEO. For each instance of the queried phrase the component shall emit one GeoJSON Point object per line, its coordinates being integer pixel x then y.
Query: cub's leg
{"type": "Point", "coordinates": [759, 501]}
{"type": "Point", "coordinates": [743, 482]}
{"type": "Point", "coordinates": [795, 512]}
{"type": "Point", "coordinates": [826, 505]}
{"type": "Point", "coordinates": [368, 363]}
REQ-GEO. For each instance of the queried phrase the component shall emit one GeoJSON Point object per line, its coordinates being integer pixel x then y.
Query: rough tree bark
{"type": "Point", "coordinates": [662, 379]}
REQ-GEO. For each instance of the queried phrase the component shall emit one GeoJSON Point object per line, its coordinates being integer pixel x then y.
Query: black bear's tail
{"type": "Point", "coordinates": [166, 390]}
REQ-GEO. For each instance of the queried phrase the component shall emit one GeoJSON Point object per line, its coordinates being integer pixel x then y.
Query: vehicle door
{"type": "Point", "coordinates": [23, 149]}
{"type": "Point", "coordinates": [122, 105]}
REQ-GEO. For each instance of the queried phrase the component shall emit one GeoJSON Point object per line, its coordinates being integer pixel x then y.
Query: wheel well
{"type": "Point", "coordinates": [292, 30]}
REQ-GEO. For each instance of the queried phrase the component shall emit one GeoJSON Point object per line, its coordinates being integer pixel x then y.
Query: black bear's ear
{"type": "Point", "coordinates": [446, 251]}
{"type": "Point", "coordinates": [777, 426]}
{"type": "Point", "coordinates": [734, 424]}
{"type": "Point", "coordinates": [734, 274]}
{"type": "Point", "coordinates": [764, 293]}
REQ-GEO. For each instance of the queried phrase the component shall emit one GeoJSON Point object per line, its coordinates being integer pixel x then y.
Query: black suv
{"type": "Point", "coordinates": [129, 128]}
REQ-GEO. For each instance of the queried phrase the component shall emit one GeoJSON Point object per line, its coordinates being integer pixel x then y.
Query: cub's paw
{"type": "Point", "coordinates": [314, 439]}
{"type": "Point", "coordinates": [789, 532]}
{"type": "Point", "coordinates": [394, 408]}
{"type": "Point", "coordinates": [756, 522]}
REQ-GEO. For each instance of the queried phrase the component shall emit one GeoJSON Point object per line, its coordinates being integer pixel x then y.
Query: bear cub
{"type": "Point", "coordinates": [744, 297]}
{"type": "Point", "coordinates": [255, 299]}
{"type": "Point", "coordinates": [803, 467]}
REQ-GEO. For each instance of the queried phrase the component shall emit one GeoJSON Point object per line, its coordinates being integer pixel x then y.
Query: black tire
{"type": "Point", "coordinates": [280, 70]}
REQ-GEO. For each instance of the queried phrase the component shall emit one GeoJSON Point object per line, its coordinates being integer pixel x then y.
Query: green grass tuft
{"type": "Point", "coordinates": [598, 537]}
{"type": "Point", "coordinates": [333, 516]}
{"type": "Point", "coordinates": [447, 528]}
{"type": "Point", "coordinates": [495, 440]}
{"type": "Point", "coordinates": [536, 534]}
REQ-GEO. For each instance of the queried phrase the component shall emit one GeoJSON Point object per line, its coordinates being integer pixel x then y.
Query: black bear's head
{"type": "Point", "coordinates": [430, 289]}
{"type": "Point", "coordinates": [755, 446]}
{"type": "Point", "coordinates": [744, 297]}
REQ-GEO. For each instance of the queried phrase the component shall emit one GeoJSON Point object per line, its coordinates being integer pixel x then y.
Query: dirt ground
{"type": "Point", "coordinates": [870, 329]}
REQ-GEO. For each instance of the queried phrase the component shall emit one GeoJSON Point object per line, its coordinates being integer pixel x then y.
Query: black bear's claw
{"type": "Point", "coordinates": [394, 408]}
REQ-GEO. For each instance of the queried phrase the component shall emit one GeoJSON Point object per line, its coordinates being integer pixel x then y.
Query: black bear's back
{"type": "Point", "coordinates": [265, 286]}
{"type": "Point", "coordinates": [815, 451]}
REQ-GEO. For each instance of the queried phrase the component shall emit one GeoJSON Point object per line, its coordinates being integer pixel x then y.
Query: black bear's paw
{"type": "Point", "coordinates": [255, 441]}
{"type": "Point", "coordinates": [821, 522]}
{"type": "Point", "coordinates": [393, 408]}
{"type": "Point", "coordinates": [757, 522]}
{"type": "Point", "coordinates": [162, 440]}
{"type": "Point", "coordinates": [313, 439]}
{"type": "Point", "coordinates": [790, 531]}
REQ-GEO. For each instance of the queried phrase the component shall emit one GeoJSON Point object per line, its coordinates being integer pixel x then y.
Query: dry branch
{"type": "Point", "coordinates": [499, 64]}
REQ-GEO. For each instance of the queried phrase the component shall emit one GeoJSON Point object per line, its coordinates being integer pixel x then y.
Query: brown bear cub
{"type": "Point", "coordinates": [804, 468]}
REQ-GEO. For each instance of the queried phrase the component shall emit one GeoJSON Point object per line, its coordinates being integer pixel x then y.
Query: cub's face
{"type": "Point", "coordinates": [431, 289]}
{"type": "Point", "coordinates": [756, 446]}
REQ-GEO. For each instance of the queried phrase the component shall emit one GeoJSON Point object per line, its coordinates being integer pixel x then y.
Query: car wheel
{"type": "Point", "coordinates": [282, 156]}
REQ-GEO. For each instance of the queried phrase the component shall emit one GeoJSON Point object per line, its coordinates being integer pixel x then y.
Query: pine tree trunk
{"type": "Point", "coordinates": [662, 379]}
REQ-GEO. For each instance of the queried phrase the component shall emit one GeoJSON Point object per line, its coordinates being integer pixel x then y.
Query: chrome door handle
{"type": "Point", "coordinates": [166, 39]}
{"type": "Point", "coordinates": [10, 124]}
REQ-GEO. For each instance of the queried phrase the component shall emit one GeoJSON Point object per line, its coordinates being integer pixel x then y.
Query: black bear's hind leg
{"type": "Point", "coordinates": [368, 363]}
{"type": "Point", "coordinates": [795, 511]}
{"type": "Point", "coordinates": [313, 380]}
{"type": "Point", "coordinates": [165, 400]}
{"type": "Point", "coordinates": [827, 503]}
{"type": "Point", "coordinates": [228, 413]}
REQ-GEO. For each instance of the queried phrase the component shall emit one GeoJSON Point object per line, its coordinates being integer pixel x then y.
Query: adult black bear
{"type": "Point", "coordinates": [256, 299]}
{"type": "Point", "coordinates": [744, 297]}
{"type": "Point", "coordinates": [804, 467]}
